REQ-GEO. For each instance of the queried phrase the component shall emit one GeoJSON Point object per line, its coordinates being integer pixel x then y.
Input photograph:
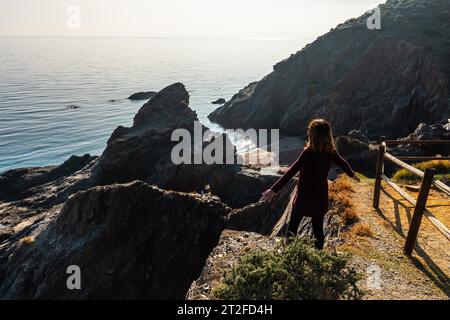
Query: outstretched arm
{"type": "Point", "coordinates": [270, 193]}
{"type": "Point", "coordinates": [298, 164]}
{"type": "Point", "coordinates": [341, 163]}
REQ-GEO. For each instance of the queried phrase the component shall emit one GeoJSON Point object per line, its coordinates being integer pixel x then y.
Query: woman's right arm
{"type": "Point", "coordinates": [270, 193]}
{"type": "Point", "coordinates": [298, 164]}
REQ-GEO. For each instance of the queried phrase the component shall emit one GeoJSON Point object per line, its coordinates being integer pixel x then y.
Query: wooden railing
{"type": "Point", "coordinates": [427, 182]}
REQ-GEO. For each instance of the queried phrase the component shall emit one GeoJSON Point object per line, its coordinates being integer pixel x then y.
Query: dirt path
{"type": "Point", "coordinates": [391, 274]}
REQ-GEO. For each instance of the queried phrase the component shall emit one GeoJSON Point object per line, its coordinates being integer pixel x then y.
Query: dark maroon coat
{"type": "Point", "coordinates": [311, 199]}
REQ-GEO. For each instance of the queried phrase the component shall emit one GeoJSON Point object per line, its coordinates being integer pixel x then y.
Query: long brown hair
{"type": "Point", "coordinates": [320, 137]}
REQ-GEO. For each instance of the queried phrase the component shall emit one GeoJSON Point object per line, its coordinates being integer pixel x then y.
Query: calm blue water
{"type": "Point", "coordinates": [40, 77]}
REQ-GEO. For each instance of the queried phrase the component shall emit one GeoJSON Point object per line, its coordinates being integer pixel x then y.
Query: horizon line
{"type": "Point", "coordinates": [159, 37]}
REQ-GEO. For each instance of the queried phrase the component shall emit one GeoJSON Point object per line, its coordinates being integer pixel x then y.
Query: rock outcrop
{"type": "Point", "coordinates": [128, 240]}
{"type": "Point", "coordinates": [359, 153]}
{"type": "Point", "coordinates": [144, 95]}
{"type": "Point", "coordinates": [261, 217]}
{"type": "Point", "coordinates": [219, 101]}
{"type": "Point", "coordinates": [21, 183]}
{"type": "Point", "coordinates": [144, 152]}
{"type": "Point", "coordinates": [438, 131]}
{"type": "Point", "coordinates": [381, 82]}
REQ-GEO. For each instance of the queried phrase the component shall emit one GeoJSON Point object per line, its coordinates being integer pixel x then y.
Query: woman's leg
{"type": "Point", "coordinates": [317, 226]}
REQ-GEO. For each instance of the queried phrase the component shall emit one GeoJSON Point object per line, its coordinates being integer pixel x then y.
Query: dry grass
{"type": "Point", "coordinates": [363, 230]}
{"type": "Point", "coordinates": [342, 193]}
{"type": "Point", "coordinates": [342, 184]}
{"type": "Point", "coordinates": [349, 216]}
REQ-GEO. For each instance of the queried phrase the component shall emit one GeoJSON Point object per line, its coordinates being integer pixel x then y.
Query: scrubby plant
{"type": "Point", "coordinates": [349, 216]}
{"type": "Point", "coordinates": [296, 271]}
{"type": "Point", "coordinates": [363, 230]}
{"type": "Point", "coordinates": [442, 168]}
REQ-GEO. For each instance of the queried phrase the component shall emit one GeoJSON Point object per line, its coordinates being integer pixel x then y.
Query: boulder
{"type": "Point", "coordinates": [219, 101]}
{"type": "Point", "coordinates": [347, 145]}
{"type": "Point", "coordinates": [143, 95]}
{"type": "Point", "coordinates": [128, 240]}
{"type": "Point", "coordinates": [381, 82]}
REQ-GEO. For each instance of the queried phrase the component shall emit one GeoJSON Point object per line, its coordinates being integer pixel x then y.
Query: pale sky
{"type": "Point", "coordinates": [178, 18]}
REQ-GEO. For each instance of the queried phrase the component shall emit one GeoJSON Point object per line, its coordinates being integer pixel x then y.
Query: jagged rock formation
{"type": "Point", "coordinates": [143, 152]}
{"type": "Point", "coordinates": [381, 82]}
{"type": "Point", "coordinates": [129, 241]}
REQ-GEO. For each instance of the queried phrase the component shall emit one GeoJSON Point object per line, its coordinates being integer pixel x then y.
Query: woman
{"type": "Point", "coordinates": [314, 163]}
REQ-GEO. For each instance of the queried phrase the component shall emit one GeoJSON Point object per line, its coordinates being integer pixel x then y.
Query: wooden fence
{"type": "Point", "coordinates": [427, 182]}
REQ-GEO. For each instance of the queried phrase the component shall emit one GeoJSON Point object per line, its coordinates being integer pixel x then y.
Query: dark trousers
{"type": "Point", "coordinates": [317, 227]}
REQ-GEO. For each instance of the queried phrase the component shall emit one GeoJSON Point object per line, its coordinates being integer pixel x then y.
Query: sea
{"type": "Point", "coordinates": [65, 96]}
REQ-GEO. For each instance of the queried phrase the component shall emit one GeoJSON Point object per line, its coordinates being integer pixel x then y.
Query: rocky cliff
{"type": "Point", "coordinates": [129, 241]}
{"type": "Point", "coordinates": [382, 82]}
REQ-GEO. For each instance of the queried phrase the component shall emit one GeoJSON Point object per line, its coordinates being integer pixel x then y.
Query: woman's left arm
{"type": "Point", "coordinates": [341, 163]}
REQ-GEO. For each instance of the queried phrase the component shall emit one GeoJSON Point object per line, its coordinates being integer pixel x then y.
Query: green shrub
{"type": "Point", "coordinates": [442, 168]}
{"type": "Point", "coordinates": [295, 272]}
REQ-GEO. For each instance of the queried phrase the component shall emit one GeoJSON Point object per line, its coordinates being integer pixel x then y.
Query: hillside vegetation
{"type": "Point", "coordinates": [442, 168]}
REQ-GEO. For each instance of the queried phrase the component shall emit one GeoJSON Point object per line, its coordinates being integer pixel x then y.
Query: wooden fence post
{"type": "Point", "coordinates": [418, 211]}
{"type": "Point", "coordinates": [379, 172]}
